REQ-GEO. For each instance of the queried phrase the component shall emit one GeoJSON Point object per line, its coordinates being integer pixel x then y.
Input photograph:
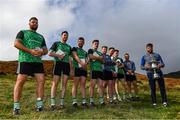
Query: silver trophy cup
{"type": "Point", "coordinates": [154, 68]}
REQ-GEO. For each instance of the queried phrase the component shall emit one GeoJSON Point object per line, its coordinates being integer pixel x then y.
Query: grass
{"type": "Point", "coordinates": [123, 110]}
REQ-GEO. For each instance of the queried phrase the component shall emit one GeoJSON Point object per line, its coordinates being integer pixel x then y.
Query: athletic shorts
{"type": "Point", "coordinates": [120, 76]}
{"type": "Point", "coordinates": [61, 67]}
{"type": "Point", "coordinates": [130, 77]}
{"type": "Point", "coordinates": [78, 72]}
{"type": "Point", "coordinates": [96, 75]}
{"type": "Point", "coordinates": [30, 68]}
{"type": "Point", "coordinates": [107, 75]}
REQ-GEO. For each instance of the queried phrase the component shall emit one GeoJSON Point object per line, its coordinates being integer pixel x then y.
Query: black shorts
{"type": "Point", "coordinates": [107, 75]}
{"type": "Point", "coordinates": [130, 77]}
{"type": "Point", "coordinates": [78, 72]}
{"type": "Point", "coordinates": [96, 75]}
{"type": "Point", "coordinates": [120, 76]}
{"type": "Point", "coordinates": [60, 67]}
{"type": "Point", "coordinates": [30, 68]}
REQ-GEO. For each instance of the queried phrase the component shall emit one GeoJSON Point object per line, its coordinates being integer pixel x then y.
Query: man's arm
{"type": "Point", "coordinates": [45, 51]}
{"type": "Point", "coordinates": [75, 56]}
{"type": "Point", "coordinates": [160, 62]}
{"type": "Point", "coordinates": [143, 63]}
{"type": "Point", "coordinates": [20, 46]}
{"type": "Point", "coordinates": [92, 57]}
{"type": "Point", "coordinates": [144, 66]}
{"type": "Point", "coordinates": [52, 52]}
{"type": "Point", "coordinates": [44, 48]}
{"type": "Point", "coordinates": [100, 58]}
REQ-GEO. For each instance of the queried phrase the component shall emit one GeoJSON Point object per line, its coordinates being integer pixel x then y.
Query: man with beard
{"type": "Point", "coordinates": [107, 72]}
{"type": "Point", "coordinates": [61, 52]}
{"type": "Point", "coordinates": [146, 64]}
{"type": "Point", "coordinates": [80, 72]}
{"type": "Point", "coordinates": [32, 47]}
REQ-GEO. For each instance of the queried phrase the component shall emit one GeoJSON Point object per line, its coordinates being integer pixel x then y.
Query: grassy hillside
{"type": "Point", "coordinates": [123, 110]}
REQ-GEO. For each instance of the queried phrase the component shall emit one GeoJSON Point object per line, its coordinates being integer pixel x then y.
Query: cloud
{"type": "Point", "coordinates": [129, 25]}
{"type": "Point", "coordinates": [15, 16]}
{"type": "Point", "coordinates": [125, 24]}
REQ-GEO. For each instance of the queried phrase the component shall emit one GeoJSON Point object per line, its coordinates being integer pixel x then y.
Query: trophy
{"type": "Point", "coordinates": [154, 68]}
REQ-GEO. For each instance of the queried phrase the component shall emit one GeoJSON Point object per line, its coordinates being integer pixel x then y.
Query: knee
{"type": "Point", "coordinates": [110, 84]}
{"type": "Point", "coordinates": [41, 82]}
{"type": "Point", "coordinates": [20, 82]}
{"type": "Point", "coordinates": [92, 85]}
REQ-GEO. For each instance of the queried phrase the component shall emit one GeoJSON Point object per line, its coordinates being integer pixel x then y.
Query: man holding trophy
{"type": "Point", "coordinates": [152, 63]}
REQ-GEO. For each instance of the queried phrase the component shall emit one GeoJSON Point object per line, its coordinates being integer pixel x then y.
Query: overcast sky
{"type": "Point", "coordinates": [125, 24]}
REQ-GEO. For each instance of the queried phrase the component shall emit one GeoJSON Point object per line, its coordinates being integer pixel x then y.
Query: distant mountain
{"type": "Point", "coordinates": [173, 75]}
{"type": "Point", "coordinates": [10, 67]}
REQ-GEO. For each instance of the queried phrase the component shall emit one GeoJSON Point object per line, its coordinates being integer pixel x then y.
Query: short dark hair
{"type": "Point", "coordinates": [116, 50]}
{"type": "Point", "coordinates": [65, 32]}
{"type": "Point", "coordinates": [95, 41]}
{"type": "Point", "coordinates": [81, 38]}
{"type": "Point", "coordinates": [111, 48]}
{"type": "Point", "coordinates": [149, 45]}
{"type": "Point", "coordinates": [104, 47]}
{"type": "Point", "coordinates": [33, 18]}
{"type": "Point", "coordinates": [126, 54]}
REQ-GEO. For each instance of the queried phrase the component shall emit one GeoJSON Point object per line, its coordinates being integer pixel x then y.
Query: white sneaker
{"type": "Point", "coordinates": [165, 104]}
{"type": "Point", "coordinates": [119, 99]}
{"type": "Point", "coordinates": [154, 104]}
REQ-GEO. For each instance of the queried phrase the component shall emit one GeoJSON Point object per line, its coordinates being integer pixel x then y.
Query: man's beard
{"type": "Point", "coordinates": [34, 28]}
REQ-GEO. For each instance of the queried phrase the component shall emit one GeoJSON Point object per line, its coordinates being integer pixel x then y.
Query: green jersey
{"type": "Point", "coordinates": [95, 65]}
{"type": "Point", "coordinates": [31, 40]}
{"type": "Point", "coordinates": [82, 54]}
{"type": "Point", "coordinates": [61, 48]}
{"type": "Point", "coordinates": [120, 60]}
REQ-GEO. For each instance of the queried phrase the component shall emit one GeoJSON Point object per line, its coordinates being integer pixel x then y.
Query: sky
{"type": "Point", "coordinates": [124, 24]}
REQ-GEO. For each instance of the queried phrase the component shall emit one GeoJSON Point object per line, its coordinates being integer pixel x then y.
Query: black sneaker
{"type": "Point", "coordinates": [16, 112]}
{"type": "Point", "coordinates": [110, 102]}
{"type": "Point", "coordinates": [75, 106]}
{"type": "Point", "coordinates": [53, 107]}
{"type": "Point", "coordinates": [132, 99]}
{"type": "Point", "coordinates": [39, 109]}
{"type": "Point", "coordinates": [102, 104]}
{"type": "Point", "coordinates": [115, 101]}
{"type": "Point", "coordinates": [61, 107]}
{"type": "Point", "coordinates": [92, 104]}
{"type": "Point", "coordinates": [84, 105]}
{"type": "Point", "coordinates": [129, 99]}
